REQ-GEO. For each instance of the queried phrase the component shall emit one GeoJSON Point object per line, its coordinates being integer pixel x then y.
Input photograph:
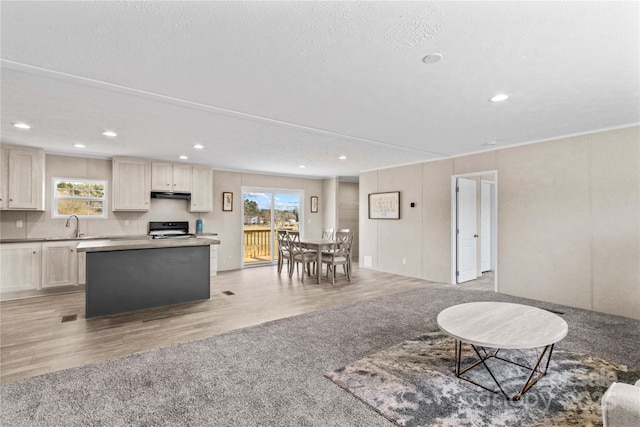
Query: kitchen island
{"type": "Point", "coordinates": [126, 275]}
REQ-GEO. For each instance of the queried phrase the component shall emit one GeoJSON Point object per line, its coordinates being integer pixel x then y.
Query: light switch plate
{"type": "Point", "coordinates": [18, 223]}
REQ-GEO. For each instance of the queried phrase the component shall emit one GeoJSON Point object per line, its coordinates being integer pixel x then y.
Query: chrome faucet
{"type": "Point", "coordinates": [77, 224]}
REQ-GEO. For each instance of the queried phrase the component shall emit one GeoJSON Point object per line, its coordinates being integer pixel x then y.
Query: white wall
{"type": "Point", "coordinates": [568, 220]}
{"type": "Point", "coordinates": [392, 244]}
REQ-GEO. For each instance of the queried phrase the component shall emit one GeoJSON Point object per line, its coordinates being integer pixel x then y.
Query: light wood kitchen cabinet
{"type": "Point", "coordinates": [82, 267]}
{"type": "Point", "coordinates": [213, 260]}
{"type": "Point", "coordinates": [131, 184]}
{"type": "Point", "coordinates": [59, 264]}
{"type": "Point", "coordinates": [22, 178]}
{"type": "Point", "coordinates": [20, 266]}
{"type": "Point", "coordinates": [202, 190]}
{"type": "Point", "coordinates": [167, 176]}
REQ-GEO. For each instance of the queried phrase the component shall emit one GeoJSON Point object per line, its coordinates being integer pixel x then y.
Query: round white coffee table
{"type": "Point", "coordinates": [502, 325]}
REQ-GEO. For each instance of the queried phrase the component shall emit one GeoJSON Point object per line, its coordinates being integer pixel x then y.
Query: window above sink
{"type": "Point", "coordinates": [86, 198]}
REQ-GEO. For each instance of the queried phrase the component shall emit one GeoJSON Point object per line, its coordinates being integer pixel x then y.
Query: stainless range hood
{"type": "Point", "coordinates": [168, 195]}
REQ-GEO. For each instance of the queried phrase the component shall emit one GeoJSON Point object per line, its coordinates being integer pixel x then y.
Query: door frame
{"type": "Point", "coordinates": [491, 189]}
{"type": "Point", "coordinates": [273, 191]}
{"type": "Point", "coordinates": [494, 223]}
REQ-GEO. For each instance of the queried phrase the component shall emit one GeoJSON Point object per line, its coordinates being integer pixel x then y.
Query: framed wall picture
{"type": "Point", "coordinates": [227, 201]}
{"type": "Point", "coordinates": [384, 205]}
{"type": "Point", "coordinates": [314, 204]}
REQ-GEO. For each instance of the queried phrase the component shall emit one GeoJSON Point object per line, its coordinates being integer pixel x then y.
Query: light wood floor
{"type": "Point", "coordinates": [34, 340]}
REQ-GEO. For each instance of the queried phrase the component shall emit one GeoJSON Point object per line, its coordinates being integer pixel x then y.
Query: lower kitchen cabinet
{"type": "Point", "coordinates": [41, 265]}
{"type": "Point", "coordinates": [59, 264]}
{"type": "Point", "coordinates": [20, 266]}
{"type": "Point", "coordinates": [82, 268]}
{"type": "Point", "coordinates": [213, 260]}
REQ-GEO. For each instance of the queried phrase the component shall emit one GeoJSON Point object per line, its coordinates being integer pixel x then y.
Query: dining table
{"type": "Point", "coordinates": [318, 245]}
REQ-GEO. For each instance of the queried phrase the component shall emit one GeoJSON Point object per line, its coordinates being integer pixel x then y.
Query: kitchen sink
{"type": "Point", "coordinates": [125, 237]}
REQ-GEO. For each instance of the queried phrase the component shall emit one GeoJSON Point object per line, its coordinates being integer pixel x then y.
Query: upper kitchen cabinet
{"type": "Point", "coordinates": [202, 190]}
{"type": "Point", "coordinates": [131, 184]}
{"type": "Point", "coordinates": [167, 176]}
{"type": "Point", "coordinates": [22, 178]}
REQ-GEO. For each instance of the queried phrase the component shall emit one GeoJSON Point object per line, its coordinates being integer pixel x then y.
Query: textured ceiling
{"type": "Point", "coordinates": [268, 86]}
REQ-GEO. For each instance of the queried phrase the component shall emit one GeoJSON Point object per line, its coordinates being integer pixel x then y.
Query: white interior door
{"type": "Point", "coordinates": [466, 232]}
{"type": "Point", "coordinates": [485, 226]}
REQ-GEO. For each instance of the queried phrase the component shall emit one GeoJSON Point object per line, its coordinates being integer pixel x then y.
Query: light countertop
{"type": "Point", "coordinates": [106, 245]}
{"type": "Point", "coordinates": [88, 238]}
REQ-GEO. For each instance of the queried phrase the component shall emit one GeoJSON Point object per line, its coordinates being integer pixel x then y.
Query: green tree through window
{"type": "Point", "coordinates": [251, 210]}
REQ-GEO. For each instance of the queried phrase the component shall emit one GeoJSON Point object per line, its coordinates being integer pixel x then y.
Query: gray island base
{"type": "Point", "coordinates": [131, 279]}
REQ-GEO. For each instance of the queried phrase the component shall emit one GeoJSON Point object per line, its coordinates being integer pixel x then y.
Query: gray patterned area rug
{"type": "Point", "coordinates": [413, 384]}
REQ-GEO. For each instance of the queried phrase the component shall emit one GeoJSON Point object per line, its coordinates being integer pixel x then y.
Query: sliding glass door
{"type": "Point", "coordinates": [266, 210]}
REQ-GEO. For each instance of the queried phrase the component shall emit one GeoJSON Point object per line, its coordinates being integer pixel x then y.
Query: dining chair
{"type": "Point", "coordinates": [346, 230]}
{"type": "Point", "coordinates": [327, 233]}
{"type": "Point", "coordinates": [299, 255]}
{"type": "Point", "coordinates": [283, 250]}
{"type": "Point", "coordinates": [341, 255]}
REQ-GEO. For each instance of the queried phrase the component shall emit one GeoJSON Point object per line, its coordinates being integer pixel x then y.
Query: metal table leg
{"type": "Point", "coordinates": [531, 380]}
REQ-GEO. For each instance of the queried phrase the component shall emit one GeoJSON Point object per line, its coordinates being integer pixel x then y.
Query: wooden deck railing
{"type": "Point", "coordinates": [257, 246]}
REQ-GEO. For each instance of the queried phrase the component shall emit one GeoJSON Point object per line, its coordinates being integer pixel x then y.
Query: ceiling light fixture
{"type": "Point", "coordinates": [198, 146]}
{"type": "Point", "coordinates": [490, 143]}
{"type": "Point", "coordinates": [110, 133]}
{"type": "Point", "coordinates": [500, 97]}
{"type": "Point", "coordinates": [432, 58]}
{"type": "Point", "coordinates": [22, 125]}
{"type": "Point", "coordinates": [302, 166]}
{"type": "Point", "coordinates": [183, 157]}
{"type": "Point", "coordinates": [79, 145]}
{"type": "Point", "coordinates": [342, 158]}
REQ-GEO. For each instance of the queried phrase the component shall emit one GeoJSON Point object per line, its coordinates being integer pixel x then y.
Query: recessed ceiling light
{"type": "Point", "coordinates": [342, 158]}
{"type": "Point", "coordinates": [432, 58]}
{"type": "Point", "coordinates": [110, 133]}
{"type": "Point", "coordinates": [198, 146]}
{"type": "Point", "coordinates": [500, 97]}
{"type": "Point", "coordinates": [79, 145]}
{"type": "Point", "coordinates": [22, 126]}
{"type": "Point", "coordinates": [183, 157]}
{"type": "Point", "coordinates": [302, 166]}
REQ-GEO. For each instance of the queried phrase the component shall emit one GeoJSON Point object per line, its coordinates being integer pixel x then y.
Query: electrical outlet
{"type": "Point", "coordinates": [18, 223]}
